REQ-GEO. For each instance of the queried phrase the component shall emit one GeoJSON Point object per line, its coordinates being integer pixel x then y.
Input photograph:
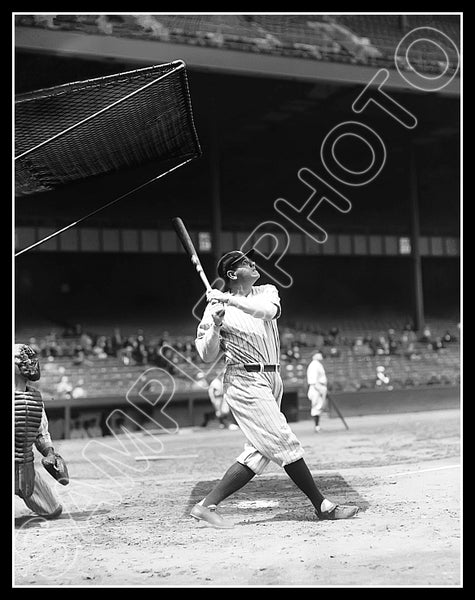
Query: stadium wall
{"type": "Point", "coordinates": [187, 410]}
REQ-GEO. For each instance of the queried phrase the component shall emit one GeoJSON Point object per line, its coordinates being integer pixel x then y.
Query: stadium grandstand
{"type": "Point", "coordinates": [356, 39]}
{"type": "Point", "coordinates": [115, 296]}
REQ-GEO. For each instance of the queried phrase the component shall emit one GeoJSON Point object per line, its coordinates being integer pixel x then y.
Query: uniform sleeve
{"type": "Point", "coordinates": [322, 377]}
{"type": "Point", "coordinates": [208, 339]}
{"type": "Point", "coordinates": [272, 293]}
{"type": "Point", "coordinates": [43, 439]}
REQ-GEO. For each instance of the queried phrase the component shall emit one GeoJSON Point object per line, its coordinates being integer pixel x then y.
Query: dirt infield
{"type": "Point", "coordinates": [126, 521]}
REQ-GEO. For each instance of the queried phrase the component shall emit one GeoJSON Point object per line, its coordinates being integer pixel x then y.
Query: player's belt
{"type": "Point", "coordinates": [261, 368]}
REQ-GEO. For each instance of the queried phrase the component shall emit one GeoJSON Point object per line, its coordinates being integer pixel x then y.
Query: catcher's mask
{"type": "Point", "coordinates": [27, 362]}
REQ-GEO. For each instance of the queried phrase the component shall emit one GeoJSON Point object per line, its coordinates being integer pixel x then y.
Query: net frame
{"type": "Point", "coordinates": [193, 149]}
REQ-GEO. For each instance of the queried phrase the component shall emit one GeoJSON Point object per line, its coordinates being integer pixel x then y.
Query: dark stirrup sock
{"type": "Point", "coordinates": [233, 480]}
{"type": "Point", "coordinates": [301, 476]}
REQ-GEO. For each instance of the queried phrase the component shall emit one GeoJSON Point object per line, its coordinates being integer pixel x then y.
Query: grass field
{"type": "Point", "coordinates": [126, 521]}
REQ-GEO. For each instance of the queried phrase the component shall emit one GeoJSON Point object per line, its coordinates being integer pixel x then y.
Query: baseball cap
{"type": "Point", "coordinates": [230, 258]}
{"type": "Point", "coordinates": [317, 356]}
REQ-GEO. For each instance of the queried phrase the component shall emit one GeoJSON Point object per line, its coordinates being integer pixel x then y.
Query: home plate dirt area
{"type": "Point", "coordinates": [126, 521]}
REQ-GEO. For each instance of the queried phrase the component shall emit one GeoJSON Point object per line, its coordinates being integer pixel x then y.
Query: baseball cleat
{"type": "Point", "coordinates": [211, 516]}
{"type": "Point", "coordinates": [331, 511]}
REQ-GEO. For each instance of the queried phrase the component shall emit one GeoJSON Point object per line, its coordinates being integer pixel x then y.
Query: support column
{"type": "Point", "coordinates": [67, 421]}
{"type": "Point", "coordinates": [418, 293]}
{"type": "Point", "coordinates": [215, 175]}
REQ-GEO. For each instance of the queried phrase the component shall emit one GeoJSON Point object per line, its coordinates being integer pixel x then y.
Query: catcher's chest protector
{"type": "Point", "coordinates": [28, 412]}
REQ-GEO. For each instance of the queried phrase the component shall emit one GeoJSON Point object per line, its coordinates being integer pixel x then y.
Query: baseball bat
{"type": "Point", "coordinates": [337, 410]}
{"type": "Point", "coordinates": [189, 247]}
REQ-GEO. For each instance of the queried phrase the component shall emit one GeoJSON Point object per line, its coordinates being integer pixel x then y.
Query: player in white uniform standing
{"type": "Point", "coordinates": [242, 322]}
{"type": "Point", "coordinates": [220, 406]}
{"type": "Point", "coordinates": [317, 388]}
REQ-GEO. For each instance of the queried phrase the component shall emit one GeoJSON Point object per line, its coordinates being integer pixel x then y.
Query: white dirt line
{"type": "Point", "coordinates": [166, 456]}
{"type": "Point", "coordinates": [420, 471]}
{"type": "Point", "coordinates": [54, 529]}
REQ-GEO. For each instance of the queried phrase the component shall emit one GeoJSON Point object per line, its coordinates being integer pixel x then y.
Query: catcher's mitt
{"type": "Point", "coordinates": [56, 467]}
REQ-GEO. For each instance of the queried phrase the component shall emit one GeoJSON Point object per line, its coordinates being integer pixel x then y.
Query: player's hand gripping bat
{"type": "Point", "coordinates": [189, 247]}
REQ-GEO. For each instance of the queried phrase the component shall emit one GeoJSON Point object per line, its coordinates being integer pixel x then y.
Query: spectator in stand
{"type": "Point", "coordinates": [125, 354]}
{"type": "Point", "coordinates": [108, 348]}
{"type": "Point", "coordinates": [287, 338]}
{"type": "Point", "coordinates": [79, 358]}
{"type": "Point", "coordinates": [78, 390]}
{"type": "Point", "coordinates": [438, 344]}
{"type": "Point", "coordinates": [289, 372]}
{"type": "Point", "coordinates": [382, 347]}
{"type": "Point", "coordinates": [370, 341]}
{"type": "Point", "coordinates": [434, 379]}
{"type": "Point", "coordinates": [361, 349]}
{"type": "Point", "coordinates": [86, 343]}
{"type": "Point", "coordinates": [302, 339]}
{"type": "Point", "coordinates": [168, 357]}
{"type": "Point", "coordinates": [165, 339]}
{"type": "Point", "coordinates": [426, 337]}
{"type": "Point", "coordinates": [98, 349]}
{"type": "Point", "coordinates": [64, 388]}
{"type": "Point", "coordinates": [319, 340]}
{"type": "Point", "coordinates": [382, 379]}
{"type": "Point", "coordinates": [139, 352]}
{"type": "Point", "coordinates": [447, 337]}
{"type": "Point", "coordinates": [393, 342]}
{"type": "Point", "coordinates": [52, 347]}
{"type": "Point", "coordinates": [407, 348]}
{"type": "Point", "coordinates": [152, 355]}
{"type": "Point", "coordinates": [116, 341]}
{"type": "Point", "coordinates": [296, 356]}
{"type": "Point", "coordinates": [411, 335]}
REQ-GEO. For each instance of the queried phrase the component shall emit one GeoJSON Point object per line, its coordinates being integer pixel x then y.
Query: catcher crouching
{"type": "Point", "coordinates": [31, 429]}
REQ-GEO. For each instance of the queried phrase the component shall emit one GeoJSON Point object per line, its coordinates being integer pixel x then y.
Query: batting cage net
{"type": "Point", "coordinates": [86, 128]}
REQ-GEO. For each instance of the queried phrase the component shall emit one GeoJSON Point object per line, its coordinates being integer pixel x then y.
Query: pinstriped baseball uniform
{"type": "Point", "coordinates": [254, 398]}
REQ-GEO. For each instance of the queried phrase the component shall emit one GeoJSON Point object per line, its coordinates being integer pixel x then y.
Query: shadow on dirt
{"type": "Point", "coordinates": [28, 521]}
{"type": "Point", "coordinates": [280, 493]}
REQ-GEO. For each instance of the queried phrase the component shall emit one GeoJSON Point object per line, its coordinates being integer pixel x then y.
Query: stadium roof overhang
{"type": "Point", "coordinates": [267, 127]}
{"type": "Point", "coordinates": [147, 52]}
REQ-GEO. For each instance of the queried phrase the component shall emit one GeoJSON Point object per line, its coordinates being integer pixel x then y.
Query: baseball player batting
{"type": "Point", "coordinates": [31, 428]}
{"type": "Point", "coordinates": [242, 322]}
